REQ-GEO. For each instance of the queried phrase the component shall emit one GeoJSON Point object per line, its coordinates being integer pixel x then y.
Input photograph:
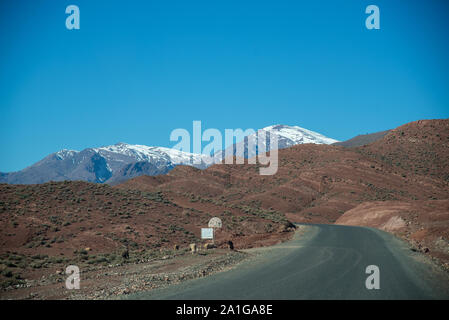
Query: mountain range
{"type": "Point", "coordinates": [398, 183]}
{"type": "Point", "coordinates": [122, 161]}
{"type": "Point", "coordinates": [287, 136]}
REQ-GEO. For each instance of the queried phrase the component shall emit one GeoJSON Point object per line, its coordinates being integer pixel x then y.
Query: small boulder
{"type": "Point", "coordinates": [126, 291]}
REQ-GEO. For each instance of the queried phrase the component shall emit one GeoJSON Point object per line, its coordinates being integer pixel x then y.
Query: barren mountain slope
{"type": "Point", "coordinates": [407, 168]}
{"type": "Point", "coordinates": [45, 227]}
{"type": "Point", "coordinates": [314, 183]}
{"type": "Point", "coordinates": [420, 147]}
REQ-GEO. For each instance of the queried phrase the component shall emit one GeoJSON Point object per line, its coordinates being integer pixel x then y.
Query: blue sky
{"type": "Point", "coordinates": [136, 70]}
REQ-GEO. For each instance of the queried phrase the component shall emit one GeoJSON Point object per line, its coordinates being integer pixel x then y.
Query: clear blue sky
{"type": "Point", "coordinates": [136, 70]}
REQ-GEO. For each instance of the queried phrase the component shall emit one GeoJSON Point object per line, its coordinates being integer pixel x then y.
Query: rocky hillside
{"type": "Point", "coordinates": [320, 183]}
{"type": "Point", "coordinates": [47, 226]}
{"type": "Point", "coordinates": [362, 139]}
{"type": "Point", "coordinates": [420, 147]}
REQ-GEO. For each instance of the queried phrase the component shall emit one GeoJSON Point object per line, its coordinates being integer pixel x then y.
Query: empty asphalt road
{"type": "Point", "coordinates": [326, 262]}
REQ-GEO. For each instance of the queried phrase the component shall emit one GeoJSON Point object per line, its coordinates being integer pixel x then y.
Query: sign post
{"type": "Point", "coordinates": [207, 233]}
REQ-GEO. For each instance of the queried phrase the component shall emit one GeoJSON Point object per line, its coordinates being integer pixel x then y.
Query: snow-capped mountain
{"type": "Point", "coordinates": [292, 135]}
{"type": "Point", "coordinates": [64, 153]}
{"type": "Point", "coordinates": [122, 161]}
{"type": "Point", "coordinates": [151, 154]}
{"type": "Point", "coordinates": [287, 136]}
{"type": "Point", "coordinates": [105, 164]}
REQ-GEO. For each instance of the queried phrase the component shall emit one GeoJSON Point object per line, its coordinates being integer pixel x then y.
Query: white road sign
{"type": "Point", "coordinates": [207, 233]}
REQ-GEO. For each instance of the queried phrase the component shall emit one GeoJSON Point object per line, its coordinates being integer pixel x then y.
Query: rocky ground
{"type": "Point", "coordinates": [106, 282]}
{"type": "Point", "coordinates": [47, 227]}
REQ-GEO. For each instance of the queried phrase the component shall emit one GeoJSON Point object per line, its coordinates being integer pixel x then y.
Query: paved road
{"type": "Point", "coordinates": [327, 262]}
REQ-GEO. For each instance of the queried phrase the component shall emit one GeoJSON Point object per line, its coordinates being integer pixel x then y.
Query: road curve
{"type": "Point", "coordinates": [327, 262]}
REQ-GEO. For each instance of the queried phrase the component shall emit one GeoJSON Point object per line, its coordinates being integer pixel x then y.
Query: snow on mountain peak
{"type": "Point", "coordinates": [64, 153]}
{"type": "Point", "coordinates": [298, 135]}
{"type": "Point", "coordinates": [287, 136]}
{"type": "Point", "coordinates": [146, 153]}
